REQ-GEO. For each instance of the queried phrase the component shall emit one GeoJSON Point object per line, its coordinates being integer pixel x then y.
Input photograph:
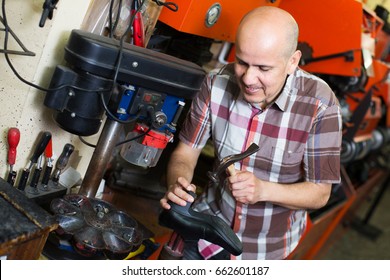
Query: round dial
{"type": "Point", "coordinates": [213, 14]}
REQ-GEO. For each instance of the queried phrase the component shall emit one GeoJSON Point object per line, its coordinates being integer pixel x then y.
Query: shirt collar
{"type": "Point", "coordinates": [283, 99]}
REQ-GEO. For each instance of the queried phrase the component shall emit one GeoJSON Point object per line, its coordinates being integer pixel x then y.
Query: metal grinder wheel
{"type": "Point", "coordinates": [94, 226]}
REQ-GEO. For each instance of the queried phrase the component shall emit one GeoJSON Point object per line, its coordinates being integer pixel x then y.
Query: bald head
{"type": "Point", "coordinates": [271, 26]}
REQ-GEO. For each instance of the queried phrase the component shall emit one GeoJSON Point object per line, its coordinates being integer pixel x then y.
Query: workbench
{"type": "Point", "coordinates": [25, 226]}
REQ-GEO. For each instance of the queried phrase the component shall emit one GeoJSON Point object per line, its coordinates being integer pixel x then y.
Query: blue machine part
{"type": "Point", "coordinates": [133, 97]}
{"type": "Point", "coordinates": [124, 104]}
{"type": "Point", "coordinates": [170, 108]}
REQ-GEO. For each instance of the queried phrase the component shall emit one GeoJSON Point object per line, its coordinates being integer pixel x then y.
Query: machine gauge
{"type": "Point", "coordinates": [213, 14]}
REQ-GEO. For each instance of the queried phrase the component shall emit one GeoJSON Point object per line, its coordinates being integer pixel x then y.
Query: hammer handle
{"type": "Point", "coordinates": [232, 170]}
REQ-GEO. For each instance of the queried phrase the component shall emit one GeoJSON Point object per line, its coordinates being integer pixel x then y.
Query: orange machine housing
{"type": "Point", "coordinates": [329, 27]}
{"type": "Point", "coordinates": [191, 16]}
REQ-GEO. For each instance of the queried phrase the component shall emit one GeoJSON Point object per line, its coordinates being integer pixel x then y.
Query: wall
{"type": "Point", "coordinates": [21, 105]}
{"type": "Point", "coordinates": [373, 3]}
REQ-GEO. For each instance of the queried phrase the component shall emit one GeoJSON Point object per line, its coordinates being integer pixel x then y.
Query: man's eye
{"type": "Point", "coordinates": [264, 69]}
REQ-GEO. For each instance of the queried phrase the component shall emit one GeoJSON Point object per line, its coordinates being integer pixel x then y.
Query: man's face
{"type": "Point", "coordinates": [261, 71]}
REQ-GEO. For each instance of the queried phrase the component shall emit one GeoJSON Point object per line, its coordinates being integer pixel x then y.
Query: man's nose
{"type": "Point", "coordinates": [250, 75]}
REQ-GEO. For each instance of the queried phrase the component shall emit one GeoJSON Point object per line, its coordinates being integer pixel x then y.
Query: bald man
{"type": "Point", "coordinates": [293, 116]}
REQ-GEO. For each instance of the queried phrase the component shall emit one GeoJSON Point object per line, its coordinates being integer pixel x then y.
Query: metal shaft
{"type": "Point", "coordinates": [100, 158]}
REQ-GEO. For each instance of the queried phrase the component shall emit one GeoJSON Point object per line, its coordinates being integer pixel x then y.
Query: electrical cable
{"type": "Point", "coordinates": [112, 27]}
{"type": "Point", "coordinates": [133, 138]}
{"type": "Point", "coordinates": [118, 63]}
{"type": "Point", "coordinates": [6, 34]}
{"type": "Point", "coordinates": [170, 5]}
{"type": "Point", "coordinates": [119, 143]}
{"type": "Point", "coordinates": [112, 116]}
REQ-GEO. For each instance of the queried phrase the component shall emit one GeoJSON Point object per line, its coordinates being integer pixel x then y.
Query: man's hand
{"type": "Point", "coordinates": [245, 187]}
{"type": "Point", "coordinates": [177, 193]}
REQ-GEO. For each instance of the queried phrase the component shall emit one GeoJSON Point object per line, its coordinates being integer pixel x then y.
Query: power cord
{"type": "Point", "coordinates": [170, 5]}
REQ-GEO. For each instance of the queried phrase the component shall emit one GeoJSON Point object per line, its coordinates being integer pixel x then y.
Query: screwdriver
{"type": "Point", "coordinates": [13, 142]}
{"type": "Point", "coordinates": [49, 166]}
{"type": "Point", "coordinates": [45, 138]}
{"type": "Point", "coordinates": [62, 162]}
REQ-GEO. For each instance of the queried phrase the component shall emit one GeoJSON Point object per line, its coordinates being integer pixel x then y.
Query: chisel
{"type": "Point", "coordinates": [13, 139]}
{"type": "Point", "coordinates": [45, 138]}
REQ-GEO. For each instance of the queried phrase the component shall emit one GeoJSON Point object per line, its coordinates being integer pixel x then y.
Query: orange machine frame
{"type": "Point", "coordinates": [190, 17]}
{"type": "Point", "coordinates": [329, 27]}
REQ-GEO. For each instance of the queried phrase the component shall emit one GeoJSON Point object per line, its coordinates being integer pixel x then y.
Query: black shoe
{"type": "Point", "coordinates": [192, 226]}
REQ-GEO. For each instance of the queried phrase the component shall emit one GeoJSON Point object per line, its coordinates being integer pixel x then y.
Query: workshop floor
{"type": "Point", "coordinates": [347, 243]}
{"type": "Point", "coordinates": [344, 244]}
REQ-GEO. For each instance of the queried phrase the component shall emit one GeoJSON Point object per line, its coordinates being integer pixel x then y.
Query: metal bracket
{"type": "Point", "coordinates": [25, 50]}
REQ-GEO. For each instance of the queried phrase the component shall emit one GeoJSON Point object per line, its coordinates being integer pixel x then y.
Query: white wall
{"type": "Point", "coordinates": [21, 105]}
{"type": "Point", "coordinates": [373, 3]}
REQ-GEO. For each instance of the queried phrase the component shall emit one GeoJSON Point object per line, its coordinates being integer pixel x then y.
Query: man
{"type": "Point", "coordinates": [294, 117]}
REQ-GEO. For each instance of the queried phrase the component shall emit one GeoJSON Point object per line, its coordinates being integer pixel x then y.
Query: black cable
{"type": "Point", "coordinates": [6, 34]}
{"type": "Point", "coordinates": [134, 138]}
{"type": "Point", "coordinates": [119, 143]}
{"type": "Point", "coordinates": [169, 5]}
{"type": "Point", "coordinates": [86, 143]}
{"type": "Point", "coordinates": [112, 116]}
{"type": "Point", "coordinates": [117, 67]}
{"type": "Point", "coordinates": [111, 26]}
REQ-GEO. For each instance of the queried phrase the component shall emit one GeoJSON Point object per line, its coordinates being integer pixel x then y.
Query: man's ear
{"type": "Point", "coordinates": [294, 61]}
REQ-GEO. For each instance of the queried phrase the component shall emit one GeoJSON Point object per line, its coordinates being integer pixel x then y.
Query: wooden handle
{"type": "Point", "coordinates": [231, 170]}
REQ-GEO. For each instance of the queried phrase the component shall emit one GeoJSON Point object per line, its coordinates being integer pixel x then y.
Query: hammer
{"type": "Point", "coordinates": [228, 161]}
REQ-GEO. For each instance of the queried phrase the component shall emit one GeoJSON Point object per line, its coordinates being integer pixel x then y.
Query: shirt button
{"type": "Point", "coordinates": [239, 217]}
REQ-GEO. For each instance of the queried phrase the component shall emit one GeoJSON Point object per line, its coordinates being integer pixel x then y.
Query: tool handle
{"type": "Point", "coordinates": [64, 157]}
{"type": "Point", "coordinates": [45, 138]}
{"type": "Point", "coordinates": [35, 177]}
{"type": "Point", "coordinates": [23, 179]}
{"type": "Point", "coordinates": [46, 175]}
{"type": "Point", "coordinates": [49, 149]}
{"type": "Point", "coordinates": [13, 139]}
{"type": "Point", "coordinates": [231, 170]}
{"type": "Point", "coordinates": [11, 177]}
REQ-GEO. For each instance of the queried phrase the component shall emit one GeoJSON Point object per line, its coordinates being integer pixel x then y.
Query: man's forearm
{"type": "Point", "coordinates": [182, 163]}
{"type": "Point", "coordinates": [303, 195]}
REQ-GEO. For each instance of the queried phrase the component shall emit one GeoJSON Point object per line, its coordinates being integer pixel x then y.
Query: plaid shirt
{"type": "Point", "coordinates": [299, 136]}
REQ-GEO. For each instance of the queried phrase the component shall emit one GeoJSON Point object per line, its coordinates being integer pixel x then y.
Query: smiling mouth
{"type": "Point", "coordinates": [251, 90]}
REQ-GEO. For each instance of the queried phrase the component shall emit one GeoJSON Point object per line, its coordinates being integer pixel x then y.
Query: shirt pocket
{"type": "Point", "coordinates": [288, 163]}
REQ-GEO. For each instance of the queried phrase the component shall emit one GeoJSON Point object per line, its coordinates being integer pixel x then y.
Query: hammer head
{"type": "Point", "coordinates": [231, 159]}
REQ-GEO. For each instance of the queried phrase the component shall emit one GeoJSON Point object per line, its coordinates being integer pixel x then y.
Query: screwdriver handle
{"type": "Point", "coordinates": [45, 138]}
{"type": "Point", "coordinates": [49, 149]}
{"type": "Point", "coordinates": [46, 175]}
{"type": "Point", "coordinates": [13, 142]}
{"type": "Point", "coordinates": [64, 157]}
{"type": "Point", "coordinates": [23, 179]}
{"type": "Point", "coordinates": [62, 161]}
{"type": "Point", "coordinates": [11, 177]}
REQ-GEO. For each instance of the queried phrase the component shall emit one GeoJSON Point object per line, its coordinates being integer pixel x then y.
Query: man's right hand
{"type": "Point", "coordinates": [178, 193]}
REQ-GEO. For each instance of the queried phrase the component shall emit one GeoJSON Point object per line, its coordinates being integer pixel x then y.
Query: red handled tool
{"type": "Point", "coordinates": [138, 25]}
{"type": "Point", "coordinates": [13, 142]}
{"type": "Point", "coordinates": [49, 166]}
